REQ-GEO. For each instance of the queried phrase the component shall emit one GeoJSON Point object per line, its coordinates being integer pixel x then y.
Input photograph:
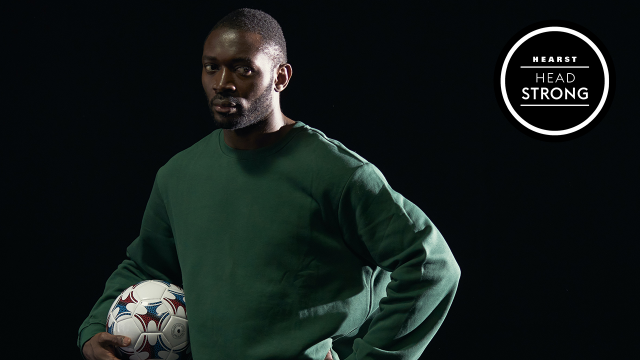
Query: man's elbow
{"type": "Point", "coordinates": [452, 271]}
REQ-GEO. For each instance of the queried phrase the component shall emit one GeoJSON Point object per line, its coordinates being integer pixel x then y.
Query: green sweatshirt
{"type": "Point", "coordinates": [287, 252]}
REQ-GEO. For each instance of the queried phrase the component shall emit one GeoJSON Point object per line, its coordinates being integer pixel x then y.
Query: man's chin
{"type": "Point", "coordinates": [229, 122]}
{"type": "Point", "coordinates": [225, 124]}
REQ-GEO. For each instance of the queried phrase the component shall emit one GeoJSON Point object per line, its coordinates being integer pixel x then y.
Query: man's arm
{"type": "Point", "coordinates": [393, 233]}
{"type": "Point", "coordinates": [152, 255]}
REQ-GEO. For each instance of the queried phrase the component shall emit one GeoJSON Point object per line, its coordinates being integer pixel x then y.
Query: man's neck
{"type": "Point", "coordinates": [261, 134]}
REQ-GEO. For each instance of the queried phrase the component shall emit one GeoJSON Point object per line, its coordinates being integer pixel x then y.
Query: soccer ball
{"type": "Point", "coordinates": [153, 314]}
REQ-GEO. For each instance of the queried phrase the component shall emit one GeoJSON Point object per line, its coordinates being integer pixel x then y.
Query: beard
{"type": "Point", "coordinates": [245, 115]}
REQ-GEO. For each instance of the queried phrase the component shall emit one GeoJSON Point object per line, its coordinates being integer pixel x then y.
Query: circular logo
{"type": "Point", "coordinates": [554, 80]}
{"type": "Point", "coordinates": [178, 330]}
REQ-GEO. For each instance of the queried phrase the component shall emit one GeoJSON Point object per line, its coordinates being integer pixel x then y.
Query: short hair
{"type": "Point", "coordinates": [259, 22]}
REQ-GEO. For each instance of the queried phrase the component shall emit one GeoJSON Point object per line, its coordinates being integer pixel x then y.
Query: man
{"type": "Point", "coordinates": [287, 244]}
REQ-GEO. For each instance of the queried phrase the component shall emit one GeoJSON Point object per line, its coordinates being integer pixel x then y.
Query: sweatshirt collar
{"type": "Point", "coordinates": [260, 152]}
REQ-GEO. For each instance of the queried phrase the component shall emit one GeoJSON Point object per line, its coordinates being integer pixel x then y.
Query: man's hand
{"type": "Point", "coordinates": [101, 346]}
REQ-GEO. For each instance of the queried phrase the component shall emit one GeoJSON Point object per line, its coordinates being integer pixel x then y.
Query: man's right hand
{"type": "Point", "coordinates": [102, 346]}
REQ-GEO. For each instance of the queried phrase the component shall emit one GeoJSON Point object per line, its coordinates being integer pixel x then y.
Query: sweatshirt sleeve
{"type": "Point", "coordinates": [385, 228]}
{"type": "Point", "coordinates": [152, 255]}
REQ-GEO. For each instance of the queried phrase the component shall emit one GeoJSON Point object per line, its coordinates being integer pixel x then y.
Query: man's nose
{"type": "Point", "coordinates": [223, 81]}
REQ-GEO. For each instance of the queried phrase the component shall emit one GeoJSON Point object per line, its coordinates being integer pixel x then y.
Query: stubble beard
{"type": "Point", "coordinates": [257, 110]}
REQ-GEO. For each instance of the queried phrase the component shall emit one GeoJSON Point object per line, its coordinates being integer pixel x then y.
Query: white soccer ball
{"type": "Point", "coordinates": [153, 314]}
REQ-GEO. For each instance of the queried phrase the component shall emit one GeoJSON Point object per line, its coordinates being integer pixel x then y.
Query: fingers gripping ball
{"type": "Point", "coordinates": [153, 314]}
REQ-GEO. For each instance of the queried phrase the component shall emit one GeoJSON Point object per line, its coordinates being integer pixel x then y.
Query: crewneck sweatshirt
{"type": "Point", "coordinates": [288, 252]}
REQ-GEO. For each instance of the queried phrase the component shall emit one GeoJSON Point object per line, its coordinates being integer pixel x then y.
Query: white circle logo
{"type": "Point", "coordinates": [554, 80]}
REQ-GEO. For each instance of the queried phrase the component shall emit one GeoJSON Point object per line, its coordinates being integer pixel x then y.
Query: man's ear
{"type": "Point", "coordinates": [283, 75]}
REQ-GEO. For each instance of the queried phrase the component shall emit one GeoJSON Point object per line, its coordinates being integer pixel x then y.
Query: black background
{"type": "Point", "coordinates": [101, 94]}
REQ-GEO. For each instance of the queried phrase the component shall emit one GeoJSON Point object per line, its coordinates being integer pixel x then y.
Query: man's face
{"type": "Point", "coordinates": [237, 78]}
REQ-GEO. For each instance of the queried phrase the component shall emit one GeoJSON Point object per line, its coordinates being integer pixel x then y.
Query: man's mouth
{"type": "Point", "coordinates": [225, 109]}
{"type": "Point", "coordinates": [223, 106]}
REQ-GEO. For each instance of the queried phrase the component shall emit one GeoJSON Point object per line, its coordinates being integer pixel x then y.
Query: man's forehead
{"type": "Point", "coordinates": [232, 41]}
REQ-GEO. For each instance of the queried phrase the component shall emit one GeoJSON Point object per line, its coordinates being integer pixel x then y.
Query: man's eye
{"type": "Point", "coordinates": [210, 67]}
{"type": "Point", "coordinates": [243, 70]}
